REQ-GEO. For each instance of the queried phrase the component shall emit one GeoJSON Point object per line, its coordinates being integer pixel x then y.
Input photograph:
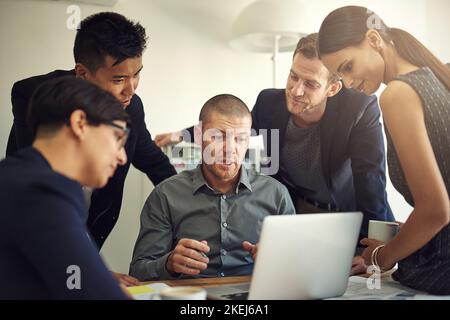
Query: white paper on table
{"type": "Point", "coordinates": [359, 288]}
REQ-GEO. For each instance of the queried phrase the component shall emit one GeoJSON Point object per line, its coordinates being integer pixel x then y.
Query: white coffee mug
{"type": "Point", "coordinates": [382, 230]}
{"type": "Point", "coordinates": [183, 293]}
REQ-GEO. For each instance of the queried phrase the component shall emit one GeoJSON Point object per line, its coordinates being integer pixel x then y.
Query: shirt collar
{"type": "Point", "coordinates": [244, 179]}
{"type": "Point", "coordinates": [199, 181]}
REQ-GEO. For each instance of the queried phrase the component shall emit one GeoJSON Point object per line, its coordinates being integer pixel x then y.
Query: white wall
{"type": "Point", "coordinates": [187, 61]}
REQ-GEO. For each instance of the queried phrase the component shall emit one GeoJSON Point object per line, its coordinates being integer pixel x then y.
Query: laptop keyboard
{"type": "Point", "coordinates": [236, 296]}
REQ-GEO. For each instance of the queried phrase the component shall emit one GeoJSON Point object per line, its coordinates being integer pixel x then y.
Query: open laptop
{"type": "Point", "coordinates": [306, 256]}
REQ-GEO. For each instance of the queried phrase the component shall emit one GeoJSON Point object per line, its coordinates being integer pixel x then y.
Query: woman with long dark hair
{"type": "Point", "coordinates": [357, 45]}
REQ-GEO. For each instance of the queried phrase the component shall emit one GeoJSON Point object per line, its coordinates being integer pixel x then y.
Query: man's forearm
{"type": "Point", "coordinates": [146, 269]}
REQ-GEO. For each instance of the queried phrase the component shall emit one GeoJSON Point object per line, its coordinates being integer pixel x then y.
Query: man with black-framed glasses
{"type": "Point", "coordinates": [46, 252]}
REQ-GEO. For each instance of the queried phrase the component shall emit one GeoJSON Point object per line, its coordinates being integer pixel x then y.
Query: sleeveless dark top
{"type": "Point", "coordinates": [428, 269]}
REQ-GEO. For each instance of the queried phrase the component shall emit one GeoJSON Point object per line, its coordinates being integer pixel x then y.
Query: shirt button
{"type": "Point", "coordinates": [224, 252]}
{"type": "Point", "coordinates": [225, 224]}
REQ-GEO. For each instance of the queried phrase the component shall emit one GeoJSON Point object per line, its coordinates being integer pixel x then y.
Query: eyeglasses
{"type": "Point", "coordinates": [122, 138]}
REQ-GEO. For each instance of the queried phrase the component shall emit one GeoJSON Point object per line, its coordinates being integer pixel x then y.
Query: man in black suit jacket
{"type": "Point", "coordinates": [330, 152]}
{"type": "Point", "coordinates": [108, 52]}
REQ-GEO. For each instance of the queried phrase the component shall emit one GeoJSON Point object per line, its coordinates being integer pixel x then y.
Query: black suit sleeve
{"type": "Point", "coordinates": [11, 146]}
{"type": "Point", "coordinates": [259, 104]}
{"type": "Point", "coordinates": [367, 154]}
{"type": "Point", "coordinates": [21, 135]}
{"type": "Point", "coordinates": [148, 157]}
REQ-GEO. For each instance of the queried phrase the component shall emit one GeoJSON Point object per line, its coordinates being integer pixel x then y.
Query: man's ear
{"type": "Point", "coordinates": [82, 71]}
{"type": "Point", "coordinates": [78, 124]}
{"type": "Point", "coordinates": [374, 39]}
{"type": "Point", "coordinates": [198, 134]}
{"type": "Point", "coordinates": [334, 89]}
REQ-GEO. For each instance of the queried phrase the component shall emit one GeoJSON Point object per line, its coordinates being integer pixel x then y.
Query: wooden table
{"type": "Point", "coordinates": [204, 282]}
{"type": "Point", "coordinates": [214, 282]}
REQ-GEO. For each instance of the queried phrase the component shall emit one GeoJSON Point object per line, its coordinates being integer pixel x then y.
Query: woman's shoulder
{"type": "Point", "coordinates": [397, 92]}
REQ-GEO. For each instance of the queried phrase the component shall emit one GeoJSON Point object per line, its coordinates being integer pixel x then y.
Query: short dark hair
{"type": "Point", "coordinates": [225, 104]}
{"type": "Point", "coordinates": [54, 101]}
{"type": "Point", "coordinates": [107, 33]}
{"type": "Point", "coordinates": [307, 46]}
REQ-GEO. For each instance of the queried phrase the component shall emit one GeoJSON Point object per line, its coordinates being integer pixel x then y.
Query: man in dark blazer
{"type": "Point", "coordinates": [108, 52]}
{"type": "Point", "coordinates": [330, 152]}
